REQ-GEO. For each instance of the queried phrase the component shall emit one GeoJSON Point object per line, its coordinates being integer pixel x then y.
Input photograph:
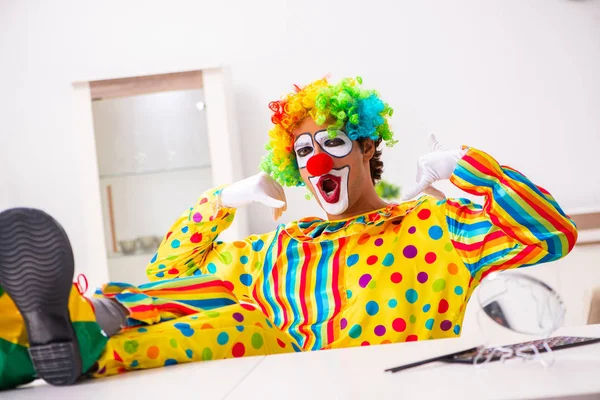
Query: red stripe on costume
{"type": "Point", "coordinates": [544, 212]}
{"type": "Point", "coordinates": [478, 245]}
{"type": "Point", "coordinates": [518, 259]}
{"type": "Point", "coordinates": [463, 209]}
{"type": "Point", "coordinates": [302, 327]}
{"type": "Point", "coordinates": [276, 289]}
{"type": "Point", "coordinates": [337, 298]}
{"type": "Point", "coordinates": [203, 285]}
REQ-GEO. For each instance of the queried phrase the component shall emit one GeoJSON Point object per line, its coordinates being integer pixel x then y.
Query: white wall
{"type": "Point", "coordinates": [516, 78]}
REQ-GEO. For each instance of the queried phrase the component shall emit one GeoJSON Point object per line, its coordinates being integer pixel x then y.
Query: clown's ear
{"type": "Point", "coordinates": [368, 149]}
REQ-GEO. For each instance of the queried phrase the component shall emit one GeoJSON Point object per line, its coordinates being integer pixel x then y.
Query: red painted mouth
{"type": "Point", "coordinates": [329, 186]}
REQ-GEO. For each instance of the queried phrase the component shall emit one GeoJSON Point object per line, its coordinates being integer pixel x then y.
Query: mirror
{"type": "Point", "coordinates": [521, 303]}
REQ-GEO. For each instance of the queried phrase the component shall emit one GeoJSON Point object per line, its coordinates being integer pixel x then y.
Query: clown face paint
{"type": "Point", "coordinates": [331, 187]}
{"type": "Point", "coordinates": [332, 190]}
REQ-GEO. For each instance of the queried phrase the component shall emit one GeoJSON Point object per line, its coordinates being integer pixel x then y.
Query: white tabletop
{"type": "Point", "coordinates": [356, 373]}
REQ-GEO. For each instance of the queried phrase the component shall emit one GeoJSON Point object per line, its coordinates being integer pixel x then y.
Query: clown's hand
{"type": "Point", "coordinates": [435, 166]}
{"type": "Point", "coordinates": [259, 188]}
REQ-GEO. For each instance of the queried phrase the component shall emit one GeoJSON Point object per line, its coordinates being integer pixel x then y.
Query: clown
{"type": "Point", "coordinates": [371, 273]}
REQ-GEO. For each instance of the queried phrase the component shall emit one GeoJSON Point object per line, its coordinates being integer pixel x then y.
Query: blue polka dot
{"type": "Point", "coordinates": [185, 229]}
{"type": "Point", "coordinates": [296, 348]}
{"type": "Point", "coordinates": [162, 266]}
{"type": "Point", "coordinates": [170, 361]}
{"type": "Point", "coordinates": [392, 303]}
{"type": "Point", "coordinates": [458, 290]}
{"type": "Point", "coordinates": [160, 275]}
{"type": "Point", "coordinates": [244, 260]}
{"type": "Point", "coordinates": [436, 232]}
{"type": "Point", "coordinates": [223, 338]}
{"type": "Point", "coordinates": [426, 307]}
{"type": "Point", "coordinates": [197, 272]}
{"type": "Point", "coordinates": [185, 329]}
{"type": "Point", "coordinates": [154, 258]}
{"type": "Point", "coordinates": [372, 308]}
{"type": "Point", "coordinates": [411, 296]}
{"type": "Point", "coordinates": [388, 260]}
{"type": "Point", "coordinates": [456, 329]}
{"type": "Point", "coordinates": [269, 323]}
{"type": "Point", "coordinates": [134, 364]}
{"type": "Point", "coordinates": [175, 243]}
{"type": "Point", "coordinates": [258, 245]}
{"type": "Point", "coordinates": [246, 279]}
{"type": "Point", "coordinates": [349, 294]}
{"type": "Point", "coordinates": [429, 323]}
{"type": "Point", "coordinates": [142, 330]}
{"type": "Point", "coordinates": [189, 353]}
{"type": "Point", "coordinates": [355, 331]}
{"type": "Point", "coordinates": [214, 229]}
{"type": "Point", "coordinates": [352, 260]}
{"type": "Point", "coordinates": [212, 268]}
{"type": "Point", "coordinates": [240, 328]}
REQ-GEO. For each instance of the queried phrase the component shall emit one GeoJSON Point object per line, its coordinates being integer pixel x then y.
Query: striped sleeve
{"type": "Point", "coordinates": [519, 225]}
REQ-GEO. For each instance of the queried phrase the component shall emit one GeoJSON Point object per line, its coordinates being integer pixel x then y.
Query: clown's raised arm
{"type": "Point", "coordinates": [190, 246]}
{"type": "Point", "coordinates": [519, 225]}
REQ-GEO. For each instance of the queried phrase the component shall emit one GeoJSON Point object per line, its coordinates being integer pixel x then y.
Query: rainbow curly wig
{"type": "Point", "coordinates": [359, 112]}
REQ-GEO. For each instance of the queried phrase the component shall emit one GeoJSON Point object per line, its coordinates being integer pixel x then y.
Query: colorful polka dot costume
{"type": "Point", "coordinates": [399, 274]}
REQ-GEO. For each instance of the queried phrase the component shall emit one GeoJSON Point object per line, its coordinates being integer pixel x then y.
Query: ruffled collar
{"type": "Point", "coordinates": [314, 229]}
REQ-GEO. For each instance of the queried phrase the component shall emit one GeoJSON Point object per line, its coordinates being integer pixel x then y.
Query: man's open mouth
{"type": "Point", "coordinates": [329, 187]}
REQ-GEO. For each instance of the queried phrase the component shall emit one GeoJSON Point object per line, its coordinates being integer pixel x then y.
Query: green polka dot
{"type": "Point", "coordinates": [372, 285]}
{"type": "Point", "coordinates": [257, 341]}
{"type": "Point", "coordinates": [1, 291]}
{"type": "Point", "coordinates": [171, 258]}
{"type": "Point", "coordinates": [355, 331]}
{"type": "Point", "coordinates": [439, 285]}
{"type": "Point", "coordinates": [413, 319]}
{"type": "Point", "coordinates": [173, 343]}
{"type": "Point", "coordinates": [448, 247]}
{"type": "Point", "coordinates": [230, 218]}
{"type": "Point", "coordinates": [212, 313]}
{"type": "Point", "coordinates": [257, 265]}
{"type": "Point", "coordinates": [207, 354]}
{"type": "Point", "coordinates": [131, 346]}
{"type": "Point", "coordinates": [226, 258]}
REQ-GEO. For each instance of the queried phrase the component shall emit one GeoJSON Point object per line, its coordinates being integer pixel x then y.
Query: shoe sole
{"type": "Point", "coordinates": [36, 270]}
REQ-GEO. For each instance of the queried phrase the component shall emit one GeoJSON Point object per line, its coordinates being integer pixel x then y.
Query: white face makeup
{"type": "Point", "coordinates": [334, 201]}
{"type": "Point", "coordinates": [332, 188]}
{"type": "Point", "coordinates": [338, 147]}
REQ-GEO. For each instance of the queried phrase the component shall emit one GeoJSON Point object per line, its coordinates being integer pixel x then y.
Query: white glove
{"type": "Point", "coordinates": [259, 188]}
{"type": "Point", "coordinates": [435, 166]}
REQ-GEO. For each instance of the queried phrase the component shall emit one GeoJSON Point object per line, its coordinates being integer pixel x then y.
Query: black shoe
{"type": "Point", "coordinates": [36, 270]}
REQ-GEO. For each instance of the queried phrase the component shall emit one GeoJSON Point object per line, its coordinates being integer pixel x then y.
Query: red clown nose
{"type": "Point", "coordinates": [319, 164]}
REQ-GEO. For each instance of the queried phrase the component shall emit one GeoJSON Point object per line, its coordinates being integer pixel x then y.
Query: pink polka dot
{"type": "Point", "coordinates": [173, 271]}
{"type": "Point", "coordinates": [197, 217]}
{"type": "Point", "coordinates": [430, 258]}
{"type": "Point", "coordinates": [343, 323]}
{"type": "Point", "coordinates": [412, 230]}
{"type": "Point", "coordinates": [371, 260]}
{"type": "Point", "coordinates": [424, 214]}
{"type": "Point", "coordinates": [396, 277]}
{"type": "Point", "coordinates": [412, 338]}
{"type": "Point", "coordinates": [248, 307]}
{"type": "Point", "coordinates": [379, 242]}
{"type": "Point", "coordinates": [365, 343]}
{"type": "Point", "coordinates": [204, 200]}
